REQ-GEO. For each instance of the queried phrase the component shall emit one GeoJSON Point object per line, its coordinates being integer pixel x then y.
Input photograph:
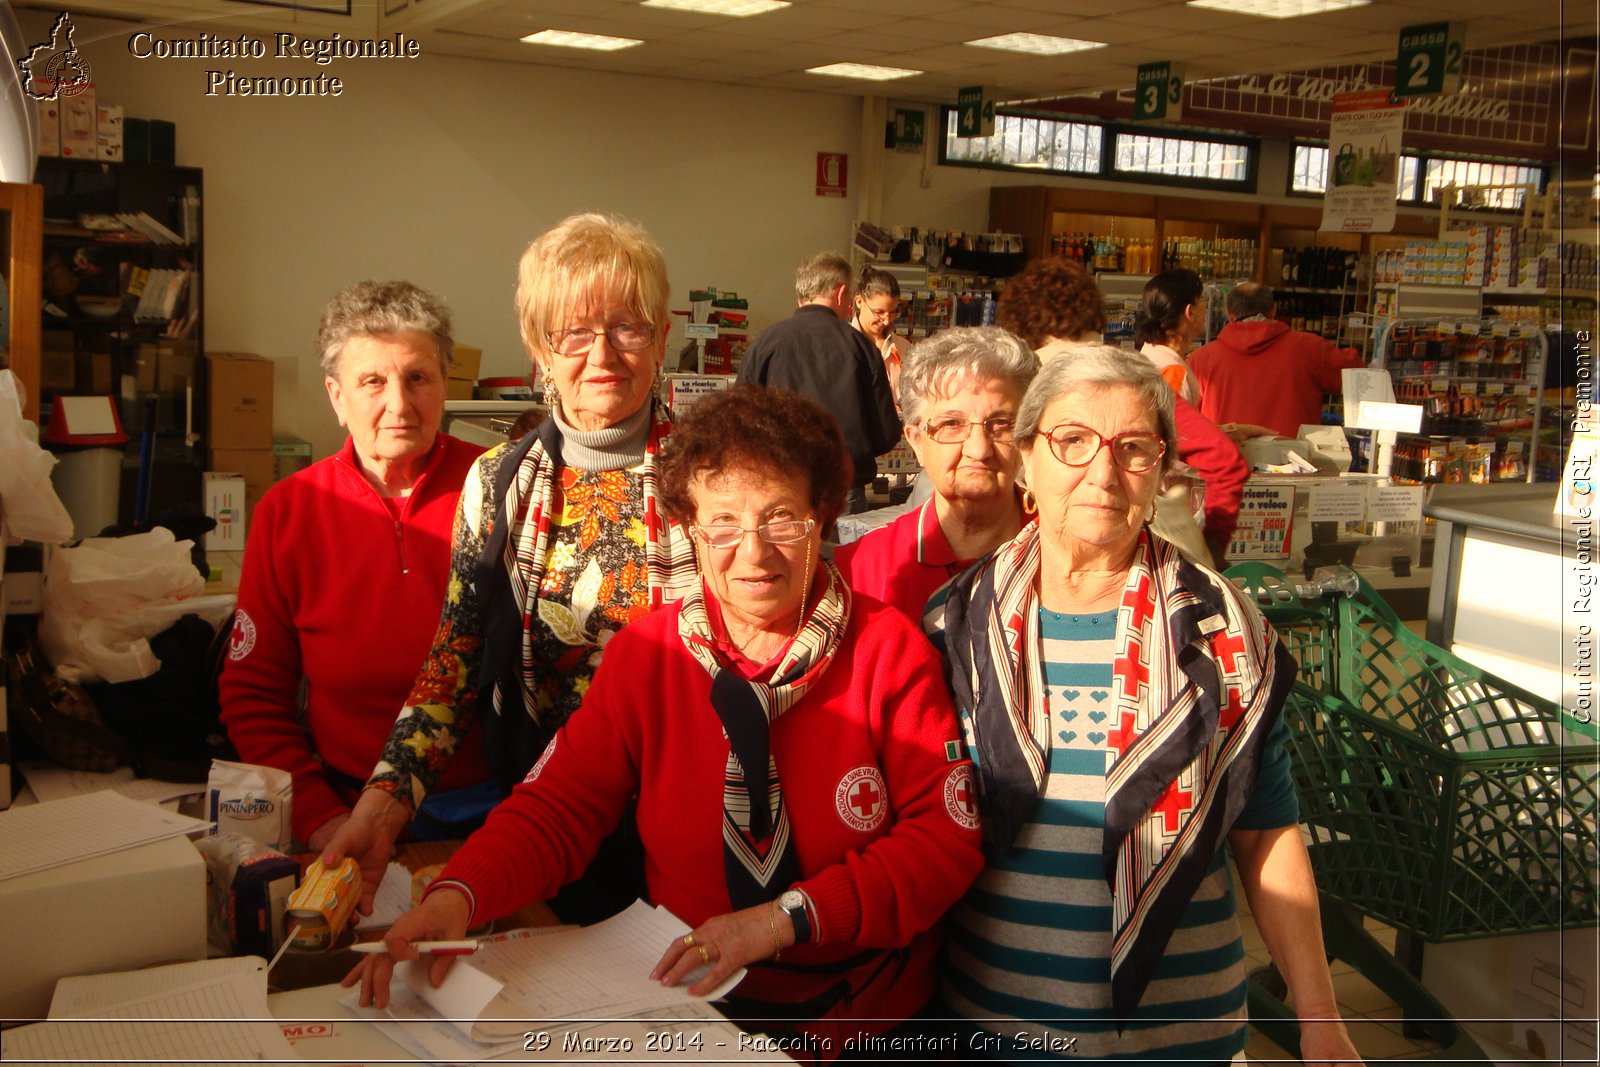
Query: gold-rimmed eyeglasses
{"type": "Point", "coordinates": [782, 532]}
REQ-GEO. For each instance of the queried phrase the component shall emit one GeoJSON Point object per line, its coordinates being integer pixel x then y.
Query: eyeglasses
{"type": "Point", "coordinates": [1135, 451]}
{"type": "Point", "coordinates": [952, 430]}
{"type": "Point", "coordinates": [624, 337]}
{"type": "Point", "coordinates": [783, 532]}
{"type": "Point", "coordinates": [867, 311]}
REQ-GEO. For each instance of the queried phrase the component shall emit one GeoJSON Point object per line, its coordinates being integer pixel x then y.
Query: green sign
{"type": "Point", "coordinates": [974, 113]}
{"type": "Point", "coordinates": [1158, 92]}
{"type": "Point", "coordinates": [1429, 59]}
{"type": "Point", "coordinates": [908, 130]}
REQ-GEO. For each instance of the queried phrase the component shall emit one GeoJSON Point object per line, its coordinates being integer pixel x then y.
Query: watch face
{"type": "Point", "coordinates": [791, 900]}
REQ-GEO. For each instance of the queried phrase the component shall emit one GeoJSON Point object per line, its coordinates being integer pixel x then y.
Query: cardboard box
{"type": "Point", "coordinates": [78, 118]}
{"type": "Point", "coordinates": [290, 455]}
{"type": "Point", "coordinates": [77, 919]}
{"type": "Point", "coordinates": [258, 467]}
{"type": "Point", "coordinates": [108, 133]}
{"type": "Point", "coordinates": [466, 363]}
{"type": "Point", "coordinates": [224, 495]}
{"type": "Point", "coordinates": [239, 404]}
{"type": "Point", "coordinates": [459, 389]}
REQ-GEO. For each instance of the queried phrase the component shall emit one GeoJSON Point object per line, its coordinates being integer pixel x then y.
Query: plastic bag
{"type": "Point", "coordinates": [105, 597]}
{"type": "Point", "coordinates": [33, 512]}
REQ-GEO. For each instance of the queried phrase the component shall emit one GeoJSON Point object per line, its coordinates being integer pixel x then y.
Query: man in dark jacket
{"type": "Point", "coordinates": [1260, 372]}
{"type": "Point", "coordinates": [816, 353]}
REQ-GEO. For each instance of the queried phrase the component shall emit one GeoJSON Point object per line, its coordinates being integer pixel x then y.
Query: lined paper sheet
{"type": "Point", "coordinates": [205, 1020]}
{"type": "Point", "coordinates": [95, 994]}
{"type": "Point", "coordinates": [599, 971]}
{"type": "Point", "coordinates": [41, 836]}
{"type": "Point", "coordinates": [58, 783]}
{"type": "Point", "coordinates": [392, 900]}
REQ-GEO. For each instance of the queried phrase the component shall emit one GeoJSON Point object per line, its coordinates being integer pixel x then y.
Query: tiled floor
{"type": "Point", "coordinates": [1371, 1017]}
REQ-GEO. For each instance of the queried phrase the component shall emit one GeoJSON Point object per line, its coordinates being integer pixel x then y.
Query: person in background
{"type": "Point", "coordinates": [1171, 316]}
{"type": "Point", "coordinates": [1260, 372]}
{"type": "Point", "coordinates": [345, 569]}
{"type": "Point", "coordinates": [802, 801]}
{"type": "Point", "coordinates": [960, 393]}
{"type": "Point", "coordinates": [559, 543]}
{"type": "Point", "coordinates": [1054, 305]}
{"type": "Point", "coordinates": [877, 302]}
{"type": "Point", "coordinates": [1123, 705]}
{"type": "Point", "coordinates": [817, 354]}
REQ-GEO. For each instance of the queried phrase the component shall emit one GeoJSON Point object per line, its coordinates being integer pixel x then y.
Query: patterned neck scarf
{"type": "Point", "coordinates": [758, 859]}
{"type": "Point", "coordinates": [1199, 679]}
{"type": "Point", "coordinates": [668, 551]}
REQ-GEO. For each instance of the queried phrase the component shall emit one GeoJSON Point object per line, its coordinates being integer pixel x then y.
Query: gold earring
{"type": "Point", "coordinates": [1030, 506]}
{"type": "Point", "coordinates": [549, 388]}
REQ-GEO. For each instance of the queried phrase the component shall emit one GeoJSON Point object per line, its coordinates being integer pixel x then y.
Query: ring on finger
{"type": "Point", "coordinates": [688, 941]}
{"type": "Point", "coordinates": [705, 956]}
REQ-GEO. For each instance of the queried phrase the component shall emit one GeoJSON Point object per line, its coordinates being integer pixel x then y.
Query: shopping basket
{"type": "Point", "coordinates": [1439, 799]}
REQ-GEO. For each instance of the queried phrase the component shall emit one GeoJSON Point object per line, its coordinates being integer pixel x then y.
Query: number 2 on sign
{"type": "Point", "coordinates": [1419, 70]}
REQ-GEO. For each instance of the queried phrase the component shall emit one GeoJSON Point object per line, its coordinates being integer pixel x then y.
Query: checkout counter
{"type": "Point", "coordinates": [1513, 588]}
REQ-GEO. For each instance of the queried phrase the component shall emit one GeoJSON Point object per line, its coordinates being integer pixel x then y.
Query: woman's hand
{"type": "Point", "coordinates": [443, 915]}
{"type": "Point", "coordinates": [726, 942]}
{"type": "Point", "coordinates": [1324, 1042]}
{"type": "Point", "coordinates": [368, 834]}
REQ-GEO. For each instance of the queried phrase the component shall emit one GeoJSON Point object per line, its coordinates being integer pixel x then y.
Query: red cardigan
{"type": "Point", "coordinates": [880, 802]}
{"type": "Point", "coordinates": [338, 592]}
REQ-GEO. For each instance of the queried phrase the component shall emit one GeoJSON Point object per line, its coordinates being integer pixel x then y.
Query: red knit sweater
{"type": "Point", "coordinates": [338, 592]}
{"type": "Point", "coordinates": [881, 806]}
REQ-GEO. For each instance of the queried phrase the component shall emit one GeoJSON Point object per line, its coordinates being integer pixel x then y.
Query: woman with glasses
{"type": "Point", "coordinates": [557, 545]}
{"type": "Point", "coordinates": [1123, 707]}
{"type": "Point", "coordinates": [802, 799]}
{"type": "Point", "coordinates": [960, 393]}
{"type": "Point", "coordinates": [877, 302]}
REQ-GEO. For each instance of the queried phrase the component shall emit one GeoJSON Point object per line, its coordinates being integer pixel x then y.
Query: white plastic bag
{"type": "Point", "coordinates": [28, 500]}
{"type": "Point", "coordinates": [105, 597]}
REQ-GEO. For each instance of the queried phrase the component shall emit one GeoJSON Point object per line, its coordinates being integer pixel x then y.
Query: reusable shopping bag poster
{"type": "Point", "coordinates": [1363, 162]}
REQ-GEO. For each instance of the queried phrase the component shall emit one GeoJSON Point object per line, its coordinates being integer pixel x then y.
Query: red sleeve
{"type": "Point", "coordinates": [259, 690]}
{"type": "Point", "coordinates": [903, 883]}
{"type": "Point", "coordinates": [1219, 463]}
{"type": "Point", "coordinates": [1333, 359]}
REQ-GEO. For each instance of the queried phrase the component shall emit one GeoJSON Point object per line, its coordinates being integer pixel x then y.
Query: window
{"type": "Point", "coordinates": [1165, 157]}
{"type": "Point", "coordinates": [1422, 177]}
{"type": "Point", "coordinates": [1060, 146]}
{"type": "Point", "coordinates": [1027, 143]}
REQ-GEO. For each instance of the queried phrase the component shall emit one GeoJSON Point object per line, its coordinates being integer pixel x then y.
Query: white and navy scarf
{"type": "Point", "coordinates": [758, 857]}
{"type": "Point", "coordinates": [1199, 678]}
{"type": "Point", "coordinates": [668, 550]}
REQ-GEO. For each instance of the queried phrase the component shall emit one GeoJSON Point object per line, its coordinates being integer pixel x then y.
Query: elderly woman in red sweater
{"type": "Point", "coordinates": [768, 683]}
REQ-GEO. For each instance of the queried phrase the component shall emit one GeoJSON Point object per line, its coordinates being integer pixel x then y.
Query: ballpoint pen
{"type": "Point", "coordinates": [437, 948]}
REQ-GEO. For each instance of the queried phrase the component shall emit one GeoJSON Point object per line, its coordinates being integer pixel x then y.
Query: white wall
{"type": "Point", "coordinates": [441, 169]}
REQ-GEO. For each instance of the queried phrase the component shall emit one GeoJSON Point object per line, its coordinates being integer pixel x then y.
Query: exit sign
{"type": "Point", "coordinates": [1158, 92]}
{"type": "Point", "coordinates": [1429, 59]}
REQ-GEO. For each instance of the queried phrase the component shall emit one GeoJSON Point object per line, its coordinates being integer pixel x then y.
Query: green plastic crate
{"type": "Point", "coordinates": [1440, 799]}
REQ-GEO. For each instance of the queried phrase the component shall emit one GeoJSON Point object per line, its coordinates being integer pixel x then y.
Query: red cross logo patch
{"type": "Point", "coordinates": [861, 800]}
{"type": "Point", "coordinates": [961, 797]}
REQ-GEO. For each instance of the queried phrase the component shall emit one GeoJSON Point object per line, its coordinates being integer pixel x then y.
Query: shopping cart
{"type": "Point", "coordinates": [1439, 799]}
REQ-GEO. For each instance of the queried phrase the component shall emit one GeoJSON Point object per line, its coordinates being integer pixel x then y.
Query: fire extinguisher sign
{"type": "Point", "coordinates": [832, 173]}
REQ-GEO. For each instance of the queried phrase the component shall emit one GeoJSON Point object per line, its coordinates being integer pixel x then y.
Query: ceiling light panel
{"type": "Point", "coordinates": [597, 42]}
{"type": "Point", "coordinates": [1278, 9]}
{"type": "Point", "coordinates": [864, 71]}
{"type": "Point", "coordinates": [1035, 44]}
{"type": "Point", "coordinates": [737, 9]}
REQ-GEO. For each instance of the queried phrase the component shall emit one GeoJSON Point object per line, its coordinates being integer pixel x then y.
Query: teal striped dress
{"type": "Point", "coordinates": [1029, 949]}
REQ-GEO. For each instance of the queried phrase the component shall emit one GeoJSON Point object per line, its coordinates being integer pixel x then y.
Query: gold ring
{"type": "Point", "coordinates": [688, 941]}
{"type": "Point", "coordinates": [705, 957]}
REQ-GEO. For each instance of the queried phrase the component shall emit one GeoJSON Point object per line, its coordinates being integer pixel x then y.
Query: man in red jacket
{"type": "Point", "coordinates": [1260, 372]}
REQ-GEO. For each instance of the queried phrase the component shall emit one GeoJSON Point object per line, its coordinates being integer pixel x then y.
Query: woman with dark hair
{"type": "Point", "coordinates": [1054, 305]}
{"type": "Point", "coordinates": [1170, 317]}
{"type": "Point", "coordinates": [801, 798]}
{"type": "Point", "coordinates": [877, 301]}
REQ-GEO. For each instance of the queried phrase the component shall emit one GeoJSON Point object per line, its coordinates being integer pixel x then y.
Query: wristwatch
{"type": "Point", "coordinates": [793, 904]}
